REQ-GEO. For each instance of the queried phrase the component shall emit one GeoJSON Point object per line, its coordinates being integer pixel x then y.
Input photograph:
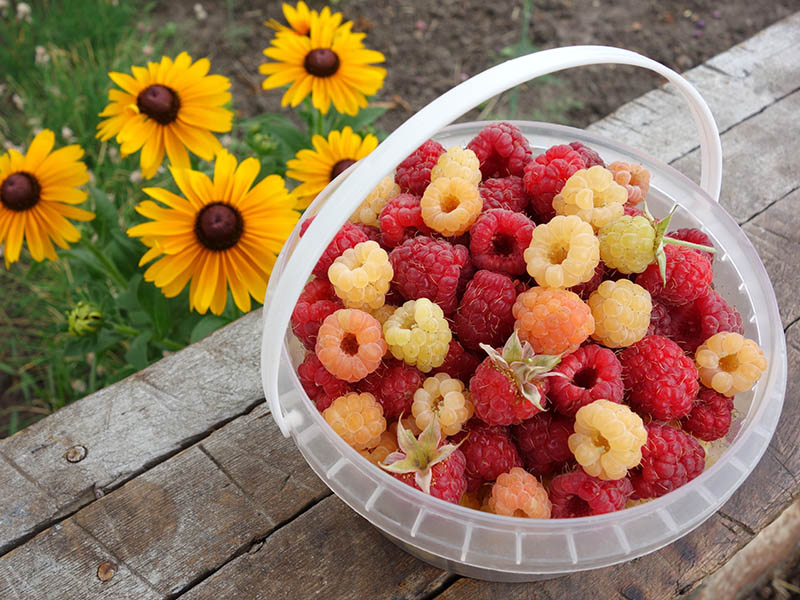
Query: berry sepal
{"type": "Point", "coordinates": [660, 227]}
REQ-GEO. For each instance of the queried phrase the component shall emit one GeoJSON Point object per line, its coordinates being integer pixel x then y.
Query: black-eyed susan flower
{"type": "Point", "coordinates": [318, 167]}
{"type": "Point", "coordinates": [38, 193]}
{"type": "Point", "coordinates": [222, 234]}
{"type": "Point", "coordinates": [298, 17]}
{"type": "Point", "coordinates": [330, 63]}
{"type": "Point", "coordinates": [167, 107]}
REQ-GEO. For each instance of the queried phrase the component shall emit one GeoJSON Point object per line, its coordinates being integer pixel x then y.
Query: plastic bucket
{"type": "Point", "coordinates": [487, 546]}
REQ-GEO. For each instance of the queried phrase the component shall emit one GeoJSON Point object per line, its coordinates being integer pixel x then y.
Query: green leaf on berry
{"type": "Point", "coordinates": [660, 228]}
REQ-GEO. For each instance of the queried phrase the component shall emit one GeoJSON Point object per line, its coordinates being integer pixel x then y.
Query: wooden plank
{"type": "Point", "coordinates": [24, 505]}
{"type": "Point", "coordinates": [66, 563]}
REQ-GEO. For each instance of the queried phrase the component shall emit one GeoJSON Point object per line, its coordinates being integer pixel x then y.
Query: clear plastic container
{"type": "Point", "coordinates": [486, 546]}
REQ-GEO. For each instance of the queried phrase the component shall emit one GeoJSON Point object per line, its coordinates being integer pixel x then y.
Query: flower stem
{"type": "Point", "coordinates": [110, 268]}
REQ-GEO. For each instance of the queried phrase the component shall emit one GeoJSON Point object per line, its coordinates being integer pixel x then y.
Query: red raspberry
{"type": "Point", "coordinates": [497, 399]}
{"type": "Point", "coordinates": [414, 174]}
{"type": "Point", "coordinates": [542, 442]}
{"type": "Point", "coordinates": [502, 150]}
{"type": "Point", "coordinates": [693, 323]}
{"type": "Point", "coordinates": [504, 192]}
{"type": "Point", "coordinates": [458, 363]}
{"type": "Point", "coordinates": [393, 384]}
{"type": "Point", "coordinates": [710, 418]}
{"type": "Point", "coordinates": [498, 239]}
{"type": "Point", "coordinates": [433, 269]}
{"type": "Point", "coordinates": [688, 276]}
{"type": "Point", "coordinates": [400, 220]}
{"type": "Point", "coordinates": [448, 481]}
{"type": "Point", "coordinates": [670, 459]}
{"type": "Point", "coordinates": [484, 315]}
{"type": "Point", "coordinates": [660, 379]}
{"type": "Point", "coordinates": [316, 302]}
{"type": "Point", "coordinates": [590, 373]}
{"type": "Point", "coordinates": [632, 210]}
{"type": "Point", "coordinates": [660, 320]}
{"type": "Point", "coordinates": [578, 494]}
{"type": "Point", "coordinates": [545, 176]}
{"type": "Point", "coordinates": [695, 236]}
{"type": "Point", "coordinates": [589, 156]}
{"type": "Point", "coordinates": [347, 237]}
{"type": "Point", "coordinates": [585, 289]}
{"type": "Point", "coordinates": [489, 452]}
{"type": "Point", "coordinates": [321, 386]}
{"type": "Point", "coordinates": [372, 232]}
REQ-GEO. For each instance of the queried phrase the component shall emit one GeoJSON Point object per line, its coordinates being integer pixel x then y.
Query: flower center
{"type": "Point", "coordinates": [218, 226]}
{"type": "Point", "coordinates": [321, 62]}
{"type": "Point", "coordinates": [159, 103]}
{"type": "Point", "coordinates": [20, 192]}
{"type": "Point", "coordinates": [340, 167]}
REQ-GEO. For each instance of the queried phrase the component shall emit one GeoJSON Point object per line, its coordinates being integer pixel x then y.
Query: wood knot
{"type": "Point", "coordinates": [76, 454]}
{"type": "Point", "coordinates": [106, 570]}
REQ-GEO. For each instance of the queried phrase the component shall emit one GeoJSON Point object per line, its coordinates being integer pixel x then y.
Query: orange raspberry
{"type": "Point", "coordinates": [729, 363]}
{"type": "Point", "coordinates": [519, 494]}
{"type": "Point", "coordinates": [408, 422]}
{"type": "Point", "coordinates": [634, 178]}
{"type": "Point", "coordinates": [387, 443]}
{"type": "Point", "coordinates": [451, 205]}
{"type": "Point", "coordinates": [373, 204]}
{"type": "Point", "coordinates": [357, 418]}
{"type": "Point", "coordinates": [361, 276]}
{"type": "Point", "coordinates": [621, 311]}
{"type": "Point", "coordinates": [458, 162]}
{"type": "Point", "coordinates": [443, 398]}
{"type": "Point", "coordinates": [350, 344]}
{"type": "Point", "coordinates": [553, 321]}
{"type": "Point", "coordinates": [563, 252]}
{"type": "Point", "coordinates": [593, 195]}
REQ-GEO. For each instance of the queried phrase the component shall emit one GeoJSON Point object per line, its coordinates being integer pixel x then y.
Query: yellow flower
{"type": "Point", "coordinates": [37, 194]}
{"type": "Point", "coordinates": [168, 106]}
{"type": "Point", "coordinates": [330, 63]}
{"type": "Point", "coordinates": [318, 167]}
{"type": "Point", "coordinates": [222, 234]}
{"type": "Point", "coordinates": [299, 18]}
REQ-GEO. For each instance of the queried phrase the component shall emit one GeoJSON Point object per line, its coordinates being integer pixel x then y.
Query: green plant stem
{"type": "Point", "coordinates": [111, 269]}
{"type": "Point", "coordinates": [316, 122]}
{"type": "Point", "coordinates": [133, 332]}
{"type": "Point", "coordinates": [513, 99]}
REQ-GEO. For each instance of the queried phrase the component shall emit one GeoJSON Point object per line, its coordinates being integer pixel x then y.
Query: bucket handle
{"type": "Point", "coordinates": [365, 175]}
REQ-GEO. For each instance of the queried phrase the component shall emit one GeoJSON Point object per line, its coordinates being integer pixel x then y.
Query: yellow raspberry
{"type": "Point", "coordinates": [383, 313]}
{"type": "Point", "coordinates": [563, 252]}
{"type": "Point", "coordinates": [608, 439]}
{"type": "Point", "coordinates": [418, 334]}
{"type": "Point", "coordinates": [361, 276]}
{"type": "Point", "coordinates": [628, 244]}
{"type": "Point", "coordinates": [621, 311]}
{"type": "Point", "coordinates": [553, 321]}
{"type": "Point", "coordinates": [634, 178]}
{"type": "Point", "coordinates": [729, 363]}
{"type": "Point", "coordinates": [519, 494]}
{"type": "Point", "coordinates": [451, 205]}
{"type": "Point", "coordinates": [458, 162]}
{"type": "Point", "coordinates": [357, 418]}
{"type": "Point", "coordinates": [442, 398]}
{"type": "Point", "coordinates": [387, 443]}
{"type": "Point", "coordinates": [373, 204]}
{"type": "Point", "coordinates": [593, 195]}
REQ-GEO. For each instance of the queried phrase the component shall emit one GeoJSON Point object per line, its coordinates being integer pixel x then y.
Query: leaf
{"type": "Point", "coordinates": [361, 121]}
{"type": "Point", "coordinates": [106, 219]}
{"type": "Point", "coordinates": [207, 325]}
{"type": "Point", "coordinates": [155, 305]}
{"type": "Point", "coordinates": [136, 355]}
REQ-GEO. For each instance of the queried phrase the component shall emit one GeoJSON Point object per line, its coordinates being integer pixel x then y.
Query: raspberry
{"type": "Point", "coordinates": [545, 176]}
{"type": "Point", "coordinates": [589, 156]}
{"type": "Point", "coordinates": [442, 398]}
{"type": "Point", "coordinates": [501, 149]}
{"type": "Point", "coordinates": [627, 244]}
{"type": "Point", "coordinates": [688, 275]}
{"type": "Point", "coordinates": [433, 269]}
{"type": "Point", "coordinates": [695, 236]}
{"type": "Point", "coordinates": [710, 418]}
{"type": "Point", "coordinates": [542, 442]}
{"type": "Point", "coordinates": [670, 459]}
{"type": "Point", "coordinates": [414, 174]}
{"type": "Point", "coordinates": [393, 384]}
{"type": "Point", "coordinates": [458, 362]}
{"type": "Point", "coordinates": [459, 163]}
{"type": "Point", "coordinates": [484, 315]}
{"type": "Point", "coordinates": [498, 239]}
{"type": "Point", "coordinates": [608, 439]}
{"type": "Point", "coordinates": [504, 192]}
{"type": "Point", "coordinates": [451, 205]}
{"type": "Point", "coordinates": [585, 289]}
{"type": "Point", "coordinates": [634, 178]}
{"type": "Point", "coordinates": [729, 363]}
{"type": "Point", "coordinates": [426, 465]}
{"type": "Point", "coordinates": [593, 195]}
{"type": "Point", "coordinates": [347, 237]}
{"type": "Point", "coordinates": [315, 303]}
{"type": "Point", "coordinates": [489, 452]}
{"type": "Point", "coordinates": [694, 323]}
{"type": "Point", "coordinates": [632, 211]}
{"type": "Point", "coordinates": [408, 422]}
{"type": "Point", "coordinates": [563, 253]}
{"type": "Point", "coordinates": [519, 494]}
{"type": "Point", "coordinates": [660, 379]}
{"type": "Point", "coordinates": [401, 219]}
{"type": "Point", "coordinates": [660, 320]}
{"type": "Point", "coordinates": [386, 445]}
{"type": "Point", "coordinates": [621, 312]}
{"type": "Point", "coordinates": [577, 494]}
{"type": "Point", "coordinates": [369, 210]}
{"type": "Point", "coordinates": [357, 418]}
{"type": "Point", "coordinates": [590, 373]}
{"type": "Point", "coordinates": [321, 386]}
{"type": "Point", "coordinates": [361, 276]}
{"type": "Point", "coordinates": [553, 321]}
{"type": "Point", "coordinates": [418, 333]}
{"type": "Point", "coordinates": [372, 232]}
{"type": "Point", "coordinates": [350, 344]}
